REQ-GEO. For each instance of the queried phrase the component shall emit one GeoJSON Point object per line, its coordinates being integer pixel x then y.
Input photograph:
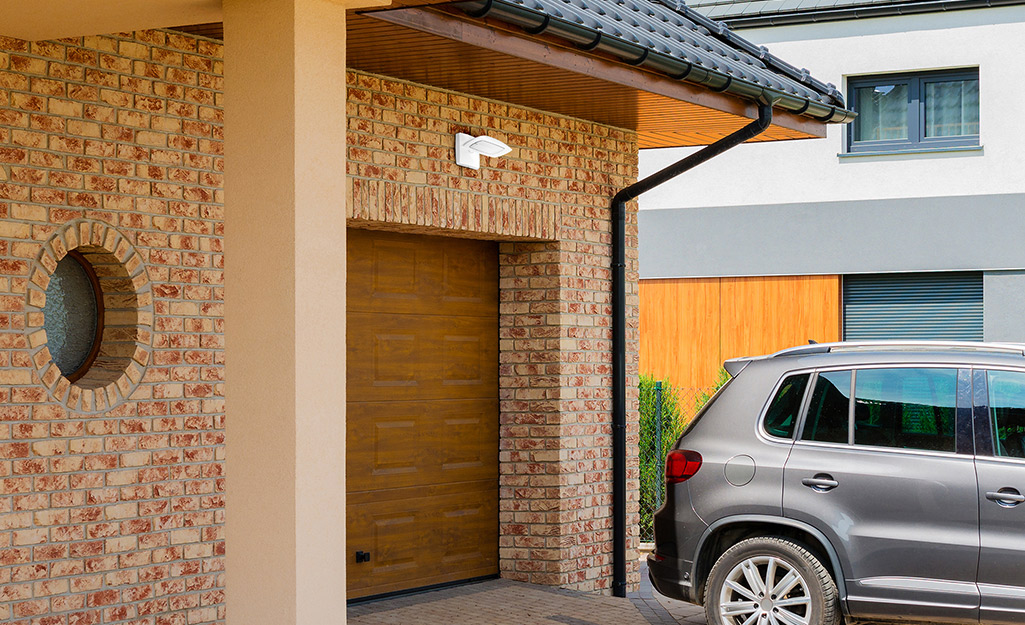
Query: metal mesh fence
{"type": "Point", "coordinates": [665, 411]}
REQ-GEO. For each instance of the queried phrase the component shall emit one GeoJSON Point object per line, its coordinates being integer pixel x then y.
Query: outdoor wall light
{"type": "Point", "coordinates": [470, 148]}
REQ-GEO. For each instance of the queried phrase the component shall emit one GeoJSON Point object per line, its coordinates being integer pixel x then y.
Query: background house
{"type": "Point", "coordinates": [906, 224]}
{"type": "Point", "coordinates": [329, 358]}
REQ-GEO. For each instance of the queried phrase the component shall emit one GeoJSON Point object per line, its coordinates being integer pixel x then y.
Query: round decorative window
{"type": "Point", "coordinates": [89, 316]}
{"type": "Point", "coordinates": [73, 315]}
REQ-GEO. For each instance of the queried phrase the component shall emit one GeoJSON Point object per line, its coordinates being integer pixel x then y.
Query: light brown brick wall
{"type": "Point", "coordinates": [111, 505]}
{"type": "Point", "coordinates": [111, 498]}
{"type": "Point", "coordinates": [555, 375]}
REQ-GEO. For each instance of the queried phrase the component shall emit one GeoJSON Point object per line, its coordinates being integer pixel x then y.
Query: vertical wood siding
{"type": "Point", "coordinates": [689, 326]}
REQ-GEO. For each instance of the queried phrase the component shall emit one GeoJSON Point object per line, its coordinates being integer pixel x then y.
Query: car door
{"type": "Point", "coordinates": [1000, 463]}
{"type": "Point", "coordinates": [884, 478]}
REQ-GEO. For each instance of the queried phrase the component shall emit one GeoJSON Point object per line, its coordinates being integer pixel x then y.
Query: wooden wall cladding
{"type": "Point", "coordinates": [689, 326]}
{"type": "Point", "coordinates": [681, 330]}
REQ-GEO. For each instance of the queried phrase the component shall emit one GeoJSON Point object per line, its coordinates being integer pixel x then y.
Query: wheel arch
{"type": "Point", "coordinates": [727, 531]}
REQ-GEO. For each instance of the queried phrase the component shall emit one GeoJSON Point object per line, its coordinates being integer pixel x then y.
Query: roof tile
{"type": "Point", "coordinates": [659, 33]}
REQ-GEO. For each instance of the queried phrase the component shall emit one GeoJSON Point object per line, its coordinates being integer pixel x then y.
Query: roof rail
{"type": "Point", "coordinates": [736, 365]}
{"type": "Point", "coordinates": [1017, 349]}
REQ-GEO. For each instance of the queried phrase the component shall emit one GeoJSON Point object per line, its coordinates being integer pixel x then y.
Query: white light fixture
{"type": "Point", "coordinates": [470, 148]}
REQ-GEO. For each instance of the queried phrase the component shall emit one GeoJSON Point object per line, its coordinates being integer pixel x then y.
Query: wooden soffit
{"type": "Point", "coordinates": [429, 42]}
{"type": "Point", "coordinates": [440, 47]}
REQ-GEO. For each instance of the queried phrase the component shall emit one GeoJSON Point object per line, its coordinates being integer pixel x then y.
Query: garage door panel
{"type": "Point", "coordinates": [422, 411]}
{"type": "Point", "coordinates": [385, 446]}
{"type": "Point", "coordinates": [467, 440]}
{"type": "Point", "coordinates": [392, 353]}
{"type": "Point", "coordinates": [400, 444]}
{"type": "Point", "coordinates": [396, 273]}
{"type": "Point", "coordinates": [463, 450]}
{"type": "Point", "coordinates": [396, 268]}
{"type": "Point", "coordinates": [385, 273]}
{"type": "Point", "coordinates": [394, 542]}
{"type": "Point", "coordinates": [464, 281]}
{"type": "Point", "coordinates": [464, 360]}
{"type": "Point", "coordinates": [464, 354]}
{"type": "Point", "coordinates": [404, 357]}
{"type": "Point", "coordinates": [418, 540]}
{"type": "Point", "coordinates": [469, 517]}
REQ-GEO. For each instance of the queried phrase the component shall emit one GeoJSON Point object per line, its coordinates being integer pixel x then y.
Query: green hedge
{"type": "Point", "coordinates": [678, 407]}
{"type": "Point", "coordinates": [653, 455]}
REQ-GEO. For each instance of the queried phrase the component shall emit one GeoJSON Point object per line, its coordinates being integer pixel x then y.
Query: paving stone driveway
{"type": "Point", "coordinates": [504, 602]}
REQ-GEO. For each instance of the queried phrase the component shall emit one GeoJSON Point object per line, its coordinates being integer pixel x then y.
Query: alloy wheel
{"type": "Point", "coordinates": [764, 590]}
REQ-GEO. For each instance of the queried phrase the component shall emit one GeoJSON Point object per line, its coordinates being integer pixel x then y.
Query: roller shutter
{"type": "Point", "coordinates": [934, 306]}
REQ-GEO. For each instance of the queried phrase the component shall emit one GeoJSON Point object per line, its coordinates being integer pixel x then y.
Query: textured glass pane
{"type": "Point", "coordinates": [70, 315]}
{"type": "Point", "coordinates": [952, 108]}
{"type": "Point", "coordinates": [882, 113]}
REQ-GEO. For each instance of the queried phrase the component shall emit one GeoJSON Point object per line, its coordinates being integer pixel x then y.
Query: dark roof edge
{"type": "Point", "coordinates": [721, 30]}
{"type": "Point", "coordinates": [851, 13]}
{"type": "Point", "coordinates": [536, 22]}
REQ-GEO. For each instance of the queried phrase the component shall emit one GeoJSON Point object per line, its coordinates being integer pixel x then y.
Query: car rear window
{"type": "Point", "coordinates": [829, 411]}
{"type": "Point", "coordinates": [908, 408]}
{"type": "Point", "coordinates": [781, 417]}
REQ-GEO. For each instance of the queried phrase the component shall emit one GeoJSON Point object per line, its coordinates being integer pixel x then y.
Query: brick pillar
{"type": "Point", "coordinates": [555, 385]}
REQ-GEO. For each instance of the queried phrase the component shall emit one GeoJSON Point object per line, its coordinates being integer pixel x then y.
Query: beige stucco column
{"type": "Point", "coordinates": [285, 310]}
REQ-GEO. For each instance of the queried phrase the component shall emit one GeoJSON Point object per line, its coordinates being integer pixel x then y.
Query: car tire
{"type": "Point", "coordinates": [738, 592]}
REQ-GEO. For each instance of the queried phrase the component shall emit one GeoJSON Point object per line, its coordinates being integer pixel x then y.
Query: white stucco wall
{"type": "Point", "coordinates": [810, 170]}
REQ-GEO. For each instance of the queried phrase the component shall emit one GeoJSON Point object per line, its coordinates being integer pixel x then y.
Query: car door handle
{"type": "Point", "coordinates": [820, 482]}
{"type": "Point", "coordinates": [1006, 497]}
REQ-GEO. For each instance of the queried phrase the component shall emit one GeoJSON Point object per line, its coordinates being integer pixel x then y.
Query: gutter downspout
{"type": "Point", "coordinates": [619, 323]}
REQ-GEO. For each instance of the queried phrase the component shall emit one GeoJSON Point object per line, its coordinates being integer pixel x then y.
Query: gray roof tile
{"type": "Point", "coordinates": [754, 7]}
{"type": "Point", "coordinates": [788, 5]}
{"type": "Point", "coordinates": [668, 36]}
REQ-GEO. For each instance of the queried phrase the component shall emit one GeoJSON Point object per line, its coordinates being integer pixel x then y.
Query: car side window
{"type": "Point", "coordinates": [1007, 412]}
{"type": "Point", "coordinates": [829, 412]}
{"type": "Point", "coordinates": [781, 417]}
{"type": "Point", "coordinates": [906, 408]}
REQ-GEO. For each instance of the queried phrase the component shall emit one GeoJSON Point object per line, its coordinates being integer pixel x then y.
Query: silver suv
{"type": "Point", "coordinates": [873, 481]}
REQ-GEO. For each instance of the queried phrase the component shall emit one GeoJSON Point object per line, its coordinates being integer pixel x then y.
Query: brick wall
{"type": "Point", "coordinates": [549, 199]}
{"type": "Point", "coordinates": [111, 490]}
{"type": "Point", "coordinates": [111, 505]}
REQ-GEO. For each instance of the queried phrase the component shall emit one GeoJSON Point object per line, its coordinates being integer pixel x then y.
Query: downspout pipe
{"type": "Point", "coordinates": [619, 323]}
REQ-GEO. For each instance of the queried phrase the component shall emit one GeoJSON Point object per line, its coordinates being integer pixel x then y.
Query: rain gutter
{"type": "Point", "coordinates": [619, 323]}
{"type": "Point", "coordinates": [586, 38]}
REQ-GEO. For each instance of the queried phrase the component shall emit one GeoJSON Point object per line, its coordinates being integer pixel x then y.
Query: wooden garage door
{"type": "Point", "coordinates": [422, 411]}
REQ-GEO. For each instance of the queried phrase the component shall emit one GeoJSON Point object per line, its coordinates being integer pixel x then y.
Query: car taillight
{"type": "Point", "coordinates": [681, 465]}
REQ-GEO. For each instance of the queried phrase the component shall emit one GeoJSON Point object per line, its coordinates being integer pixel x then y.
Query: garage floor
{"type": "Point", "coordinates": [504, 602]}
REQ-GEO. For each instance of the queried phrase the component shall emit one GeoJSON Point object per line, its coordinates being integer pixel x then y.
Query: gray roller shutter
{"type": "Point", "coordinates": [940, 306]}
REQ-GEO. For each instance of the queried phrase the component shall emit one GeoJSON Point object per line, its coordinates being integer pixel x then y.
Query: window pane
{"type": "Point", "coordinates": [782, 414]}
{"type": "Point", "coordinates": [70, 315]}
{"type": "Point", "coordinates": [905, 408]}
{"type": "Point", "coordinates": [882, 113]}
{"type": "Point", "coordinates": [952, 108]}
{"type": "Point", "coordinates": [1007, 410]}
{"type": "Point", "coordinates": [829, 412]}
